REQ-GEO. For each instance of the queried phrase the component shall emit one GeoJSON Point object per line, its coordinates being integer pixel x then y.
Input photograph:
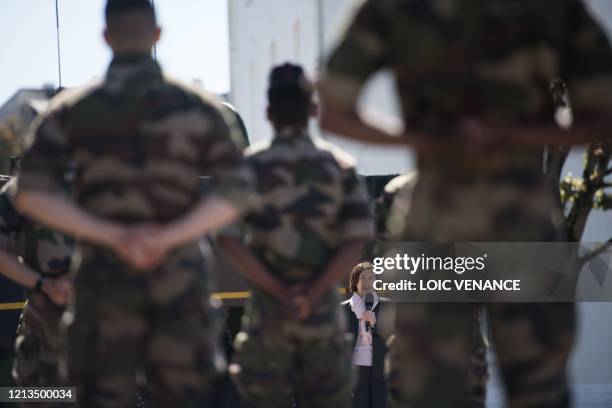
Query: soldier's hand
{"type": "Point", "coordinates": [298, 303]}
{"type": "Point", "coordinates": [148, 250]}
{"type": "Point", "coordinates": [141, 248]}
{"type": "Point", "coordinates": [303, 307]}
{"type": "Point", "coordinates": [304, 300]}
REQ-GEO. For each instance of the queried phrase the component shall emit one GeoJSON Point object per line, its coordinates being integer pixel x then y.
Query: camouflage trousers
{"type": "Point", "coordinates": [130, 331]}
{"type": "Point", "coordinates": [278, 360]}
{"type": "Point", "coordinates": [38, 346]}
{"type": "Point", "coordinates": [429, 359]}
{"type": "Point", "coordinates": [435, 359]}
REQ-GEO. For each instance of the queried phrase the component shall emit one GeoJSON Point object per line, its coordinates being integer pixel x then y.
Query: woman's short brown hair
{"type": "Point", "coordinates": [356, 274]}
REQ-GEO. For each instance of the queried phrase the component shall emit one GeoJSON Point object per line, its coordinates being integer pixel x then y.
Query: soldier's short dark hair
{"type": "Point", "coordinates": [356, 274]}
{"type": "Point", "coordinates": [289, 95]}
{"type": "Point", "coordinates": [115, 8]}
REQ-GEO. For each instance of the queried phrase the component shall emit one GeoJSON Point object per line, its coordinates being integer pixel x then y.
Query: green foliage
{"type": "Point", "coordinates": [570, 189]}
{"type": "Point", "coordinates": [579, 195]}
{"type": "Point", "coordinates": [603, 200]}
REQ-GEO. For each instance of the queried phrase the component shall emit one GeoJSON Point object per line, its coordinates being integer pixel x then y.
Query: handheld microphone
{"type": "Point", "coordinates": [369, 304]}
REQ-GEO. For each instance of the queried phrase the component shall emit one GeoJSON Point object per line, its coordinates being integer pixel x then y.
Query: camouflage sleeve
{"type": "Point", "coordinates": [241, 229]}
{"type": "Point", "coordinates": [361, 52]}
{"type": "Point", "coordinates": [588, 63]}
{"type": "Point", "coordinates": [355, 219]}
{"type": "Point", "coordinates": [225, 164]}
{"type": "Point", "coordinates": [10, 220]}
{"type": "Point", "coordinates": [44, 163]}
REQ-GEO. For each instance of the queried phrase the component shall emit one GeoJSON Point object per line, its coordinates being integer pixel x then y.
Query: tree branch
{"type": "Point", "coordinates": [602, 248]}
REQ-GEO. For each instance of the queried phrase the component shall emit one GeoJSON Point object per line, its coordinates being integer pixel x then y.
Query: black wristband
{"type": "Point", "coordinates": [39, 285]}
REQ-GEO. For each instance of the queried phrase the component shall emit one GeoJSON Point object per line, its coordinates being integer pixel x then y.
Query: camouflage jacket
{"type": "Point", "coordinates": [139, 143]}
{"type": "Point", "coordinates": [42, 249]}
{"type": "Point", "coordinates": [492, 59]}
{"type": "Point", "coordinates": [311, 202]}
{"type": "Point", "coordinates": [45, 251]}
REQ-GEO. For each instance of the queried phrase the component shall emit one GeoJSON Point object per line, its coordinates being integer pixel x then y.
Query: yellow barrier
{"type": "Point", "coordinates": [219, 295]}
{"type": "Point", "coordinates": [231, 295]}
{"type": "Point", "coordinates": [12, 306]}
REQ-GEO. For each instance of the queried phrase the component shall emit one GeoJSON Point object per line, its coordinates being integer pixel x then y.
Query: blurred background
{"type": "Point", "coordinates": [228, 46]}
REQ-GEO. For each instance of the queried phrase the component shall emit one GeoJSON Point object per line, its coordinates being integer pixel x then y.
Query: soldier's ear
{"type": "Point", "coordinates": [157, 34]}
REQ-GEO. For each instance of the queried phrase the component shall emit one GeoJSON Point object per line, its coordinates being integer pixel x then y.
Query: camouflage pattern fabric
{"type": "Point", "coordinates": [494, 60]}
{"type": "Point", "coordinates": [539, 378]}
{"type": "Point", "coordinates": [532, 342]}
{"type": "Point", "coordinates": [311, 203]}
{"type": "Point", "coordinates": [398, 195]}
{"type": "Point", "coordinates": [9, 292]}
{"type": "Point", "coordinates": [161, 325]}
{"type": "Point", "coordinates": [139, 143]}
{"type": "Point", "coordinates": [277, 359]}
{"type": "Point", "coordinates": [504, 55]}
{"type": "Point", "coordinates": [39, 342]}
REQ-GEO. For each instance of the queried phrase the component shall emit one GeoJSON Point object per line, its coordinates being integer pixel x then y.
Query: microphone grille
{"type": "Point", "coordinates": [369, 298]}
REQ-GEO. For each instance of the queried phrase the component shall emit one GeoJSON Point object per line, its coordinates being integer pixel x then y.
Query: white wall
{"type": "Point", "coordinates": [264, 33]}
{"type": "Point", "coordinates": [268, 32]}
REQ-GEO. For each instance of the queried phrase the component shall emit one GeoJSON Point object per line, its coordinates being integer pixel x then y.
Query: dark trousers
{"type": "Point", "coordinates": [368, 392]}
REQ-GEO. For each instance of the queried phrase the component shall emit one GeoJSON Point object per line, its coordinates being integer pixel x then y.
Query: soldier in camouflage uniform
{"type": "Point", "coordinates": [139, 142]}
{"type": "Point", "coordinates": [473, 79]}
{"type": "Point", "coordinates": [397, 196]}
{"type": "Point", "coordinates": [46, 259]}
{"type": "Point", "coordinates": [304, 236]}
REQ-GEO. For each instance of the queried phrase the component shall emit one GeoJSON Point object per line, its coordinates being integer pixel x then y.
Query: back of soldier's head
{"type": "Point", "coordinates": [131, 25]}
{"type": "Point", "coordinates": [289, 96]}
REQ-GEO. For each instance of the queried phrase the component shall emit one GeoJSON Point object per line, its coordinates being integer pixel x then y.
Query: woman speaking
{"type": "Point", "coordinates": [369, 356]}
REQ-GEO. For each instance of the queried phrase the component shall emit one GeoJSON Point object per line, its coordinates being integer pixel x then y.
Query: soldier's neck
{"type": "Point", "coordinates": [132, 56]}
{"type": "Point", "coordinates": [291, 131]}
